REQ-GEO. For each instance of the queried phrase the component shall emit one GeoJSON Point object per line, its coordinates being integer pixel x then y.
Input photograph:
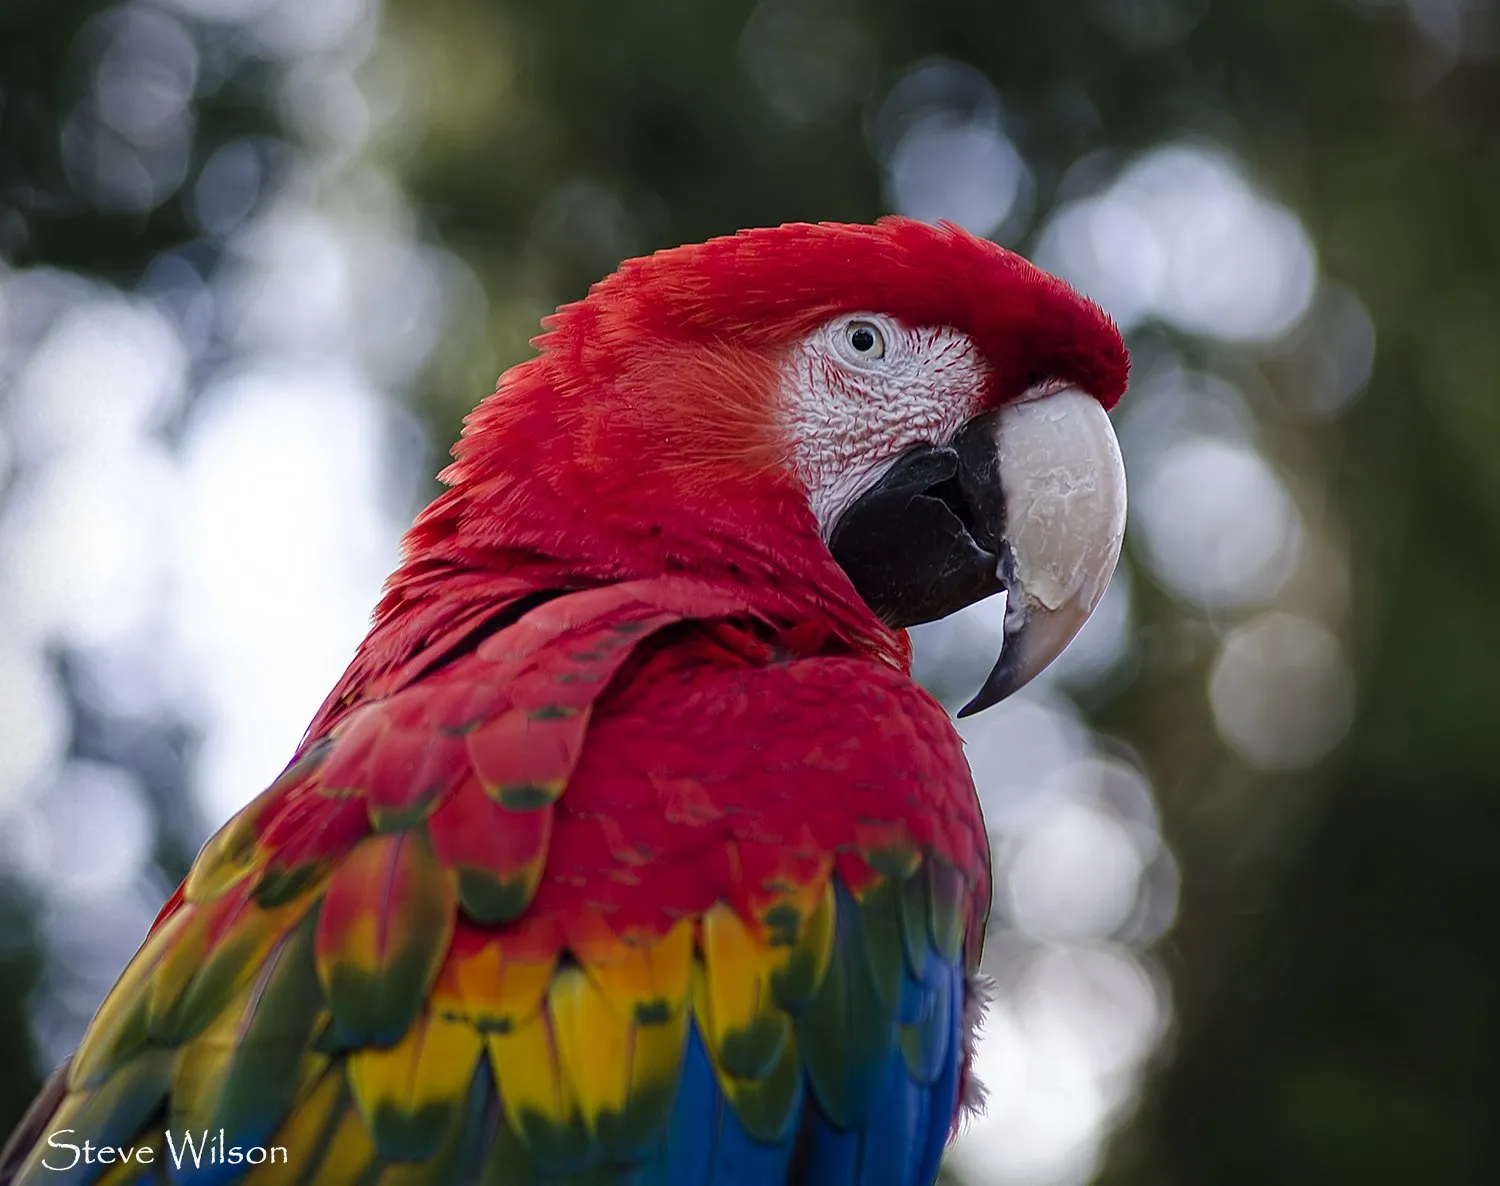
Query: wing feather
{"type": "Point", "coordinates": [620, 891]}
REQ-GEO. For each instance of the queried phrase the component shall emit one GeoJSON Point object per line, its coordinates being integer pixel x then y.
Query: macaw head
{"type": "Point", "coordinates": [899, 415]}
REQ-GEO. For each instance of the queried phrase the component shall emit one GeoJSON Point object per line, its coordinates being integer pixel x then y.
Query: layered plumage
{"type": "Point", "coordinates": [626, 851]}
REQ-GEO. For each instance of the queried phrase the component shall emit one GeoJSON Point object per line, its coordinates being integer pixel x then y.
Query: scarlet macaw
{"type": "Point", "coordinates": [626, 850]}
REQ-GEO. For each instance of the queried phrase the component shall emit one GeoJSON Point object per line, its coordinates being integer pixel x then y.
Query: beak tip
{"type": "Point", "coordinates": [1004, 678]}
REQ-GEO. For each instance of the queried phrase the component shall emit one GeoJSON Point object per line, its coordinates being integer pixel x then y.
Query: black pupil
{"type": "Point", "coordinates": [862, 339]}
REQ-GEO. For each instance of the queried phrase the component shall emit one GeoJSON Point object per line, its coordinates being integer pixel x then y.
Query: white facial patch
{"type": "Point", "coordinates": [863, 389]}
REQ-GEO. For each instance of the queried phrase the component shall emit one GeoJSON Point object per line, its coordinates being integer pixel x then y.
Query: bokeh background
{"type": "Point", "coordinates": [257, 257]}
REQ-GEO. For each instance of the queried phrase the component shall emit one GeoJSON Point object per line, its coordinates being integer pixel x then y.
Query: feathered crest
{"type": "Point", "coordinates": [769, 285]}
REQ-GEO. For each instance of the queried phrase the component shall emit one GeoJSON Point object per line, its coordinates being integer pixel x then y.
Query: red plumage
{"type": "Point", "coordinates": [618, 688]}
{"type": "Point", "coordinates": [761, 288]}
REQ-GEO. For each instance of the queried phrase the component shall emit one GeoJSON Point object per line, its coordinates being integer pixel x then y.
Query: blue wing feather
{"type": "Point", "coordinates": [944, 1092]}
{"type": "Point", "coordinates": [834, 1155]}
{"type": "Point", "coordinates": [706, 1144]}
{"type": "Point", "coordinates": [906, 1130]}
{"type": "Point", "coordinates": [687, 1155]}
{"type": "Point", "coordinates": [896, 1136]}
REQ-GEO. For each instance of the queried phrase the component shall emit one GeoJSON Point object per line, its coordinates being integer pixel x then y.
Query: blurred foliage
{"type": "Point", "coordinates": [49, 55]}
{"type": "Point", "coordinates": [1337, 949]}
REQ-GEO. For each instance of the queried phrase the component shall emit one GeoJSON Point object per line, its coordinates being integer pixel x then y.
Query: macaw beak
{"type": "Point", "coordinates": [1027, 502]}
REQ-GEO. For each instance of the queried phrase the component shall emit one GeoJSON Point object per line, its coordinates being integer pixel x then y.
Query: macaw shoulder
{"type": "Point", "coordinates": [843, 749]}
{"type": "Point", "coordinates": [611, 739]}
{"type": "Point", "coordinates": [611, 814]}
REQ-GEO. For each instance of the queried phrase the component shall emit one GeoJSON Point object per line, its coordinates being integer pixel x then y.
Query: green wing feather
{"type": "Point", "coordinates": [414, 959]}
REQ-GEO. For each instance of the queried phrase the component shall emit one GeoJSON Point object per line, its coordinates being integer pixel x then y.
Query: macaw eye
{"type": "Point", "coordinates": [865, 340]}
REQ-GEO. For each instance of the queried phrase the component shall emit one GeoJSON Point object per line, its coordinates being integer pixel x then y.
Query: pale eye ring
{"type": "Point", "coordinates": [865, 340]}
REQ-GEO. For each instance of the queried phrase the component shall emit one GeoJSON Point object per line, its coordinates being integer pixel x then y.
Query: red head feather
{"type": "Point", "coordinates": [766, 287]}
{"type": "Point", "coordinates": [644, 437]}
